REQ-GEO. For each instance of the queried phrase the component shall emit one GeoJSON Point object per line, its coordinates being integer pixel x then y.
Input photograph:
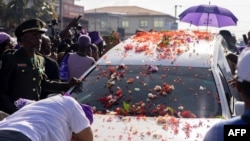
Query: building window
{"type": "Point", "coordinates": [125, 24]}
{"type": "Point", "coordinates": [143, 23]}
{"type": "Point", "coordinates": [103, 24]}
{"type": "Point", "coordinates": [158, 22]}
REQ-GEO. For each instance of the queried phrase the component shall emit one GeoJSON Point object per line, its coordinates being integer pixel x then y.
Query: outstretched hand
{"type": "Point", "coordinates": [75, 82]}
{"type": "Point", "coordinates": [232, 82]}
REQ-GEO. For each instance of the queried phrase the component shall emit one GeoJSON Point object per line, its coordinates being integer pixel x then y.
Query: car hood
{"type": "Point", "coordinates": [165, 128]}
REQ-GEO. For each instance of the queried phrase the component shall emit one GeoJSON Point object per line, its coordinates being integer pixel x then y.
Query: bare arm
{"type": "Point", "coordinates": [85, 135]}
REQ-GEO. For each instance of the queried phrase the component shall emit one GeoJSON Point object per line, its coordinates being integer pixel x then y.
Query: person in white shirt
{"type": "Point", "coordinates": [57, 118]}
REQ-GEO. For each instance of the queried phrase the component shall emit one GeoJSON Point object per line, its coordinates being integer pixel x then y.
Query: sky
{"type": "Point", "coordinates": [238, 7]}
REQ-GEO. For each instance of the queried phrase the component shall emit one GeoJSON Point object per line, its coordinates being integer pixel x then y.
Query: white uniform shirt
{"type": "Point", "coordinates": [50, 119]}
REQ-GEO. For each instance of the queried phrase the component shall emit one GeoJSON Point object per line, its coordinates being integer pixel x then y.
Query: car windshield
{"type": "Point", "coordinates": [186, 92]}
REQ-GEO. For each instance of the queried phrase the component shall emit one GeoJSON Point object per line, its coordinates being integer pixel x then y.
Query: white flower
{"type": "Point", "coordinates": [202, 88]}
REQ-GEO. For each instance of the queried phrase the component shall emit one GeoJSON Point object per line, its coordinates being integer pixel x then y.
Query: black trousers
{"type": "Point", "coordinates": [8, 135]}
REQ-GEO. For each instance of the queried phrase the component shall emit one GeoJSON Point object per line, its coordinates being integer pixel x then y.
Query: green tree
{"type": "Point", "coordinates": [15, 12]}
{"type": "Point", "coordinates": [43, 9]}
{"type": "Point", "coordinates": [2, 8]}
{"type": "Point", "coordinates": [18, 11]}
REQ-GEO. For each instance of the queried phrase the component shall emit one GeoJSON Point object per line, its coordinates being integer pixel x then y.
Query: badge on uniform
{"type": "Point", "coordinates": [21, 65]}
{"type": "Point", "coordinates": [40, 71]}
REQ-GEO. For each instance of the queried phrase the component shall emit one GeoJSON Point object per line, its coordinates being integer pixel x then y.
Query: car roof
{"type": "Point", "coordinates": [167, 48]}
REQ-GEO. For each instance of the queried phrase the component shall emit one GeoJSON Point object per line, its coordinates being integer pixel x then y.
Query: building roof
{"type": "Point", "coordinates": [126, 10]}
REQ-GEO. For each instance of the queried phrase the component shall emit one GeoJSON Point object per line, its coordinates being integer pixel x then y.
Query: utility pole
{"type": "Point", "coordinates": [175, 11]}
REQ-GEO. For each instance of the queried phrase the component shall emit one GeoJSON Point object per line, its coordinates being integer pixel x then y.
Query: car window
{"type": "Point", "coordinates": [229, 96]}
{"type": "Point", "coordinates": [151, 91]}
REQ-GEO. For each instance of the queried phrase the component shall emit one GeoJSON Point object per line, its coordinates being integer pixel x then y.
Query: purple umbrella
{"type": "Point", "coordinates": [208, 15]}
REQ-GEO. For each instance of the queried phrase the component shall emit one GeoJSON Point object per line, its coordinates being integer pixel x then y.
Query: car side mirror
{"type": "Point", "coordinates": [239, 108]}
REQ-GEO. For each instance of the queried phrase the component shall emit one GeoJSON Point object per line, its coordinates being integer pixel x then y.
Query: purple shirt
{"type": "Point", "coordinates": [77, 65]}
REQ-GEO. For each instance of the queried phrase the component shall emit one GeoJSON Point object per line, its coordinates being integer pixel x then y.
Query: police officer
{"type": "Point", "coordinates": [22, 73]}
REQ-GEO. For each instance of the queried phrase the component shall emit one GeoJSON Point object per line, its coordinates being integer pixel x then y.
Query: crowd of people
{"type": "Point", "coordinates": [36, 66]}
{"type": "Point", "coordinates": [39, 64]}
{"type": "Point", "coordinates": [32, 69]}
{"type": "Point", "coordinates": [22, 73]}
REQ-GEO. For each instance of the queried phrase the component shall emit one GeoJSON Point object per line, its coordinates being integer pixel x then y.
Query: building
{"type": "Point", "coordinates": [127, 19]}
{"type": "Point", "coordinates": [68, 11]}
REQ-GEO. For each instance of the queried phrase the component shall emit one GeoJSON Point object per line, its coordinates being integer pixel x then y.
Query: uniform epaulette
{"type": "Point", "coordinates": [38, 53]}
